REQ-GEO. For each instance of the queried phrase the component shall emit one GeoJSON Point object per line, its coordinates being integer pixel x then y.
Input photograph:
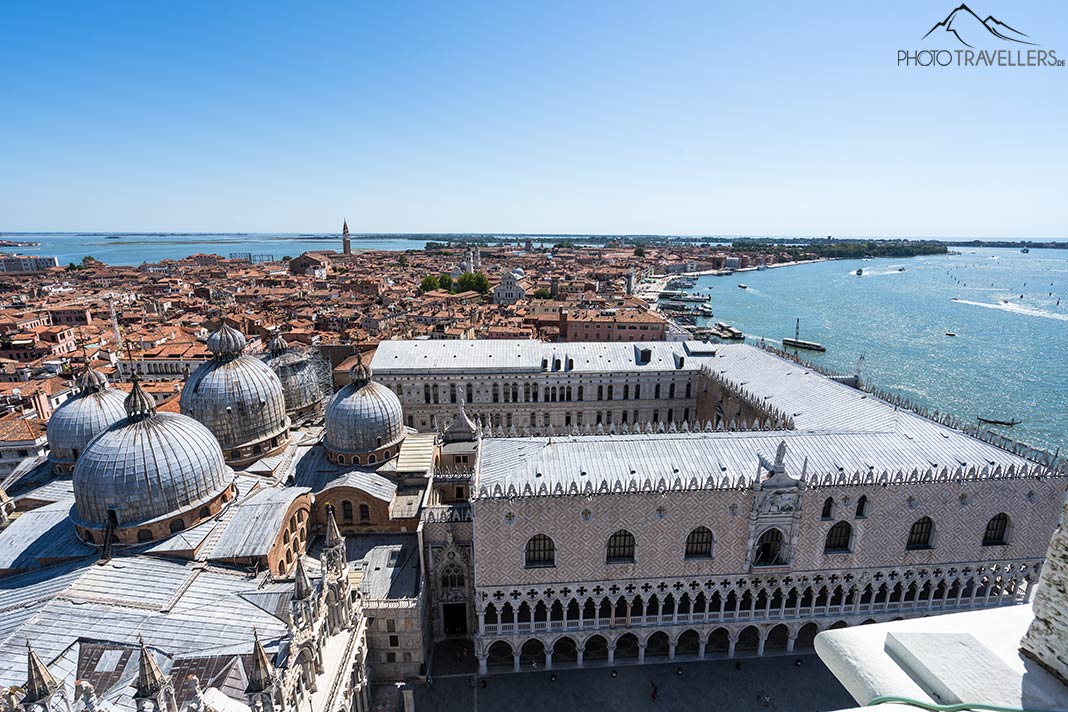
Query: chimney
{"type": "Point", "coordinates": [563, 324]}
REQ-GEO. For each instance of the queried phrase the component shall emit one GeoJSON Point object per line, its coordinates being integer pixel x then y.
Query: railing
{"type": "Point", "coordinates": [1008, 591]}
{"type": "Point", "coordinates": [447, 513]}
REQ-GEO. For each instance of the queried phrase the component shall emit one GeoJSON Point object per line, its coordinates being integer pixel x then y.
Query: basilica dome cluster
{"type": "Point", "coordinates": [77, 421]}
{"type": "Point", "coordinates": [148, 476]}
{"type": "Point", "coordinates": [364, 420]}
{"type": "Point", "coordinates": [239, 398]}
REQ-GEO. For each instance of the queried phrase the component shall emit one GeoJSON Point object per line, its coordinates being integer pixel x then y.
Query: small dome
{"type": "Point", "coordinates": [363, 416]}
{"type": "Point", "coordinates": [278, 345]}
{"type": "Point", "coordinates": [146, 467]}
{"type": "Point", "coordinates": [238, 398]}
{"type": "Point", "coordinates": [304, 381]}
{"type": "Point", "coordinates": [227, 342]}
{"type": "Point", "coordinates": [78, 420]}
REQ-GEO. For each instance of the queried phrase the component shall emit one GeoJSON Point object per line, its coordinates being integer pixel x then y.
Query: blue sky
{"type": "Point", "coordinates": [780, 118]}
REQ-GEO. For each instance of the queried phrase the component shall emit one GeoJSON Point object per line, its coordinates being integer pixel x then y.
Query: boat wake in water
{"type": "Point", "coordinates": [1015, 308]}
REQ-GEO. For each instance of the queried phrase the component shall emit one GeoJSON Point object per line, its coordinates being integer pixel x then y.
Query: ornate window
{"type": "Point", "coordinates": [620, 549]}
{"type": "Point", "coordinates": [769, 549]}
{"type": "Point", "coordinates": [920, 534]}
{"type": "Point", "coordinates": [346, 510]}
{"type": "Point", "coordinates": [862, 507]}
{"type": "Point", "coordinates": [365, 513]}
{"type": "Point", "coordinates": [541, 551]}
{"type": "Point", "coordinates": [997, 531]}
{"type": "Point", "coordinates": [838, 539]}
{"type": "Point", "coordinates": [828, 508]}
{"type": "Point", "coordinates": [699, 544]}
{"type": "Point", "coordinates": [452, 576]}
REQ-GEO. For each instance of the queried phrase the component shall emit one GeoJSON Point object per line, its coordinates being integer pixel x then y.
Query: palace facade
{"type": "Point", "coordinates": [551, 505]}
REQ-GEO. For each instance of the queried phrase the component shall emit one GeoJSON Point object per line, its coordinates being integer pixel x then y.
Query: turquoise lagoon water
{"type": "Point", "coordinates": [1008, 360]}
{"type": "Point", "coordinates": [134, 249]}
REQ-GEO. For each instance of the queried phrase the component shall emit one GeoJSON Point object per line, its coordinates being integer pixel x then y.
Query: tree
{"type": "Point", "coordinates": [286, 258]}
{"type": "Point", "coordinates": [542, 293]}
{"type": "Point", "coordinates": [445, 282]}
{"type": "Point", "coordinates": [429, 283]}
{"type": "Point", "coordinates": [472, 282]}
{"type": "Point", "coordinates": [402, 261]}
{"type": "Point", "coordinates": [639, 251]}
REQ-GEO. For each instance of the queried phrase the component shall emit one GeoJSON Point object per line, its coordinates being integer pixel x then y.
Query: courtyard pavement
{"type": "Point", "coordinates": [709, 686]}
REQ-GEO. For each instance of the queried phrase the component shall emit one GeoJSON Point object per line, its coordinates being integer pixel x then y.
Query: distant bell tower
{"type": "Point", "coordinates": [346, 243]}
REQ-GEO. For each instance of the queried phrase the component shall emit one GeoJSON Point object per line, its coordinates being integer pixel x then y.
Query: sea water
{"type": "Point", "coordinates": [135, 249]}
{"type": "Point", "coordinates": [1008, 310]}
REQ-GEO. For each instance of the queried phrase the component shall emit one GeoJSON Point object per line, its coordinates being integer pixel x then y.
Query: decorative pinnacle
{"type": "Point", "coordinates": [139, 404]}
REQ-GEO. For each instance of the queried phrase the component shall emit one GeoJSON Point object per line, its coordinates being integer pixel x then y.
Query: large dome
{"type": "Point", "coordinates": [303, 379]}
{"type": "Point", "coordinates": [364, 417]}
{"type": "Point", "coordinates": [239, 399]}
{"type": "Point", "coordinates": [78, 420]}
{"type": "Point", "coordinates": [150, 468]}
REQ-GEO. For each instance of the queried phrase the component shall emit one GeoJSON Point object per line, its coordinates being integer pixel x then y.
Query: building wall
{"type": "Point", "coordinates": [724, 604]}
{"type": "Point", "coordinates": [661, 523]}
{"type": "Point", "coordinates": [395, 642]}
{"type": "Point", "coordinates": [445, 389]}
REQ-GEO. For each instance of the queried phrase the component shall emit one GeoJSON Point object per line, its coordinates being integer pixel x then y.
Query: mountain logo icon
{"type": "Point", "coordinates": [970, 30]}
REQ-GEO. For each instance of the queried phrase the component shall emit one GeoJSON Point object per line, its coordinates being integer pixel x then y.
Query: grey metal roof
{"type": "Point", "coordinates": [256, 523]}
{"type": "Point", "coordinates": [239, 400]}
{"type": "Point", "coordinates": [839, 429]}
{"type": "Point", "coordinates": [508, 355]}
{"type": "Point", "coordinates": [638, 459]}
{"type": "Point", "coordinates": [363, 419]}
{"type": "Point", "coordinates": [180, 608]}
{"type": "Point", "coordinates": [41, 535]}
{"type": "Point", "coordinates": [80, 419]}
{"type": "Point", "coordinates": [148, 468]}
{"type": "Point", "coordinates": [317, 473]}
{"type": "Point", "coordinates": [390, 570]}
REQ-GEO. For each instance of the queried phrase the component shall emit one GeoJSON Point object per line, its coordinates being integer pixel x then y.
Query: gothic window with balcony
{"type": "Point", "coordinates": [699, 544]}
{"type": "Point", "coordinates": [540, 552]}
{"type": "Point", "coordinates": [920, 535]}
{"type": "Point", "coordinates": [620, 549]}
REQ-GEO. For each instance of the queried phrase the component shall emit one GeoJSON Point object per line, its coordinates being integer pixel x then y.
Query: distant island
{"type": "Point", "coordinates": [1029, 244]}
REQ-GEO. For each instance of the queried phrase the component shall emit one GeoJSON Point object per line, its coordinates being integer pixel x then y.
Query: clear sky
{"type": "Point", "coordinates": [741, 117]}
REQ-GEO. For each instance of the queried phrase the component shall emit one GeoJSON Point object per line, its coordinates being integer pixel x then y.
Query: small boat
{"type": "Point", "coordinates": [742, 286]}
{"type": "Point", "coordinates": [995, 421]}
{"type": "Point", "coordinates": [859, 272]}
{"type": "Point", "coordinates": [900, 269]}
{"type": "Point", "coordinates": [112, 237]}
{"type": "Point", "coordinates": [798, 343]}
{"type": "Point", "coordinates": [951, 333]}
{"type": "Point", "coordinates": [1025, 250]}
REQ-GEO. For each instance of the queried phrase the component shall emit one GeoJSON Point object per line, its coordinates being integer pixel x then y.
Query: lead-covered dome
{"type": "Point", "coordinates": [305, 380]}
{"type": "Point", "coordinates": [239, 399]}
{"type": "Point", "coordinates": [364, 420]}
{"type": "Point", "coordinates": [81, 418]}
{"type": "Point", "coordinates": [149, 475]}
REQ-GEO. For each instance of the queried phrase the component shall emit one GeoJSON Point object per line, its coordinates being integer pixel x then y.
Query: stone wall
{"type": "Point", "coordinates": [1047, 638]}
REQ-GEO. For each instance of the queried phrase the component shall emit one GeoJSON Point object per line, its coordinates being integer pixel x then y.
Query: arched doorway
{"type": "Point", "coordinates": [719, 641]}
{"type": "Point", "coordinates": [777, 638]}
{"type": "Point", "coordinates": [627, 647]}
{"type": "Point", "coordinates": [565, 652]}
{"type": "Point", "coordinates": [806, 635]}
{"type": "Point", "coordinates": [748, 640]}
{"type": "Point", "coordinates": [689, 643]}
{"type": "Point", "coordinates": [658, 645]}
{"type": "Point", "coordinates": [595, 648]}
{"type": "Point", "coordinates": [500, 655]}
{"type": "Point", "coordinates": [532, 655]}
